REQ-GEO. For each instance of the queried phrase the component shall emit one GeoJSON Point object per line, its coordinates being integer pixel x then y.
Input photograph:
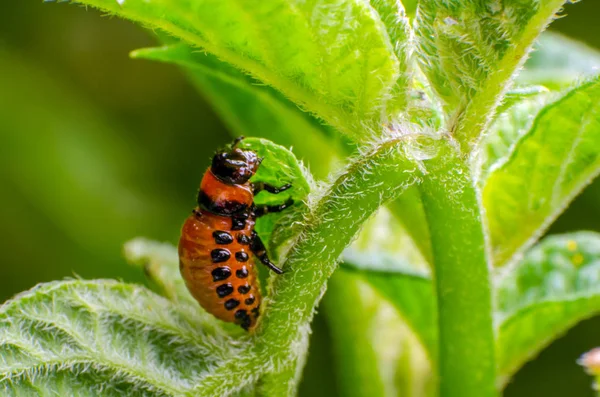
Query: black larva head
{"type": "Point", "coordinates": [235, 166]}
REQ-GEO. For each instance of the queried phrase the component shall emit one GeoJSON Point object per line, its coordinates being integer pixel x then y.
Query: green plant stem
{"type": "Point", "coordinates": [466, 336]}
{"type": "Point", "coordinates": [373, 179]}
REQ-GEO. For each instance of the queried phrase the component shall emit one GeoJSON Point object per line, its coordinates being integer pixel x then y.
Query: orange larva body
{"type": "Point", "coordinates": [204, 239]}
{"type": "Point", "coordinates": [218, 245]}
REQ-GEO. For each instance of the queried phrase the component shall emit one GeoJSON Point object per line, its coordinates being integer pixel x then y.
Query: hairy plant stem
{"type": "Point", "coordinates": [380, 175]}
{"type": "Point", "coordinates": [466, 336]}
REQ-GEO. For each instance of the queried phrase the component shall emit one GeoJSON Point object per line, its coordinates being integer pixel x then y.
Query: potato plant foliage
{"type": "Point", "coordinates": [433, 147]}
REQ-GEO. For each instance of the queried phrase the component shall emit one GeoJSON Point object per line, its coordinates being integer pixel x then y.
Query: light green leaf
{"type": "Point", "coordinates": [520, 94]}
{"type": "Point", "coordinates": [249, 108]}
{"type": "Point", "coordinates": [333, 58]}
{"type": "Point", "coordinates": [397, 25]}
{"type": "Point", "coordinates": [104, 338]}
{"type": "Point", "coordinates": [555, 286]}
{"type": "Point", "coordinates": [279, 167]}
{"type": "Point", "coordinates": [547, 167]}
{"type": "Point", "coordinates": [507, 129]}
{"type": "Point", "coordinates": [470, 49]}
{"type": "Point", "coordinates": [557, 62]}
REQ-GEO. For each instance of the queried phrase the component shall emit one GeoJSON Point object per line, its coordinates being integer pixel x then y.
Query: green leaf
{"type": "Point", "coordinates": [557, 62]}
{"type": "Point", "coordinates": [104, 338]}
{"type": "Point", "coordinates": [334, 58]}
{"type": "Point", "coordinates": [470, 49]}
{"type": "Point", "coordinates": [249, 108]}
{"type": "Point", "coordinates": [555, 286]}
{"type": "Point", "coordinates": [375, 353]}
{"type": "Point", "coordinates": [546, 168]}
{"type": "Point", "coordinates": [520, 94]}
{"type": "Point", "coordinates": [507, 129]}
{"type": "Point", "coordinates": [279, 167]}
{"type": "Point", "coordinates": [397, 25]}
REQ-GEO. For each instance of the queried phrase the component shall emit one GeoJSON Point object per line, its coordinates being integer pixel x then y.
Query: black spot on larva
{"type": "Point", "coordinates": [244, 289]}
{"type": "Point", "coordinates": [221, 273]}
{"type": "Point", "coordinates": [249, 300]}
{"type": "Point", "coordinates": [238, 223]}
{"type": "Point", "coordinates": [241, 314]}
{"type": "Point", "coordinates": [256, 311]}
{"type": "Point", "coordinates": [241, 273]}
{"type": "Point", "coordinates": [232, 304]}
{"type": "Point", "coordinates": [243, 239]}
{"type": "Point", "coordinates": [222, 237]}
{"type": "Point", "coordinates": [220, 255]}
{"type": "Point", "coordinates": [241, 256]}
{"type": "Point", "coordinates": [224, 290]}
{"type": "Point", "coordinates": [246, 323]}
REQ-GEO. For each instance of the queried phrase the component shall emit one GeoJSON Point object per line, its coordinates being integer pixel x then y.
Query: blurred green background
{"type": "Point", "coordinates": [96, 149]}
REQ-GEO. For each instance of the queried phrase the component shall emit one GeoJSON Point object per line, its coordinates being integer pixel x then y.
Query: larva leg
{"type": "Point", "coordinates": [265, 209]}
{"type": "Point", "coordinates": [258, 248]}
{"type": "Point", "coordinates": [258, 187]}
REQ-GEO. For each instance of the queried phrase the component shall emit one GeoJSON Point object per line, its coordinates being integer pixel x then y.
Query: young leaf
{"type": "Point", "coordinates": [553, 288]}
{"type": "Point", "coordinates": [279, 167]}
{"type": "Point", "coordinates": [470, 49]}
{"type": "Point", "coordinates": [333, 58]}
{"type": "Point", "coordinates": [507, 129]}
{"type": "Point", "coordinates": [397, 25]}
{"type": "Point", "coordinates": [95, 337]}
{"type": "Point", "coordinates": [548, 166]}
{"type": "Point", "coordinates": [557, 62]}
{"type": "Point", "coordinates": [249, 108]}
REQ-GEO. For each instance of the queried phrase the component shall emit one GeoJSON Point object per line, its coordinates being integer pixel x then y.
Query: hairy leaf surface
{"type": "Point", "coordinates": [507, 129]}
{"type": "Point", "coordinates": [552, 289]}
{"type": "Point", "coordinates": [84, 337]}
{"type": "Point", "coordinates": [334, 57]}
{"type": "Point", "coordinates": [547, 167]}
{"type": "Point", "coordinates": [470, 49]}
